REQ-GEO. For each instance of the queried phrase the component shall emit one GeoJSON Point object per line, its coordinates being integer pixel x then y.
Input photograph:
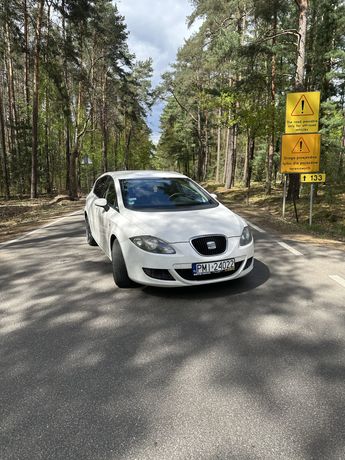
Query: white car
{"type": "Point", "coordinates": [163, 229]}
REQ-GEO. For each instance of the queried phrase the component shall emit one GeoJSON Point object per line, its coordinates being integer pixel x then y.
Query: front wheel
{"type": "Point", "coordinates": [120, 274]}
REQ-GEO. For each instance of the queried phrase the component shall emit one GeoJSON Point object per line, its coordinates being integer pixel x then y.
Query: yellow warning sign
{"type": "Point", "coordinates": [302, 112]}
{"type": "Point", "coordinates": [302, 108]}
{"type": "Point", "coordinates": [300, 153]}
{"type": "Point", "coordinates": [301, 146]}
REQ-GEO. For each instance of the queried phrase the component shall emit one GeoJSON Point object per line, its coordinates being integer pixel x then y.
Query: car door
{"type": "Point", "coordinates": [109, 217]}
{"type": "Point", "coordinates": [95, 212]}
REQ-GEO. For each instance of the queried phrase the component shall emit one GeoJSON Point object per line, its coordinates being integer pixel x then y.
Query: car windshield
{"type": "Point", "coordinates": [164, 194]}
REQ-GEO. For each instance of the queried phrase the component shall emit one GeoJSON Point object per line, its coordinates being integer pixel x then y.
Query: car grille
{"type": "Point", "coordinates": [187, 273]}
{"type": "Point", "coordinates": [209, 245]}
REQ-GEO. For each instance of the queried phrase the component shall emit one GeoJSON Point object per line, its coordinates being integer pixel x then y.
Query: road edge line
{"type": "Point", "coordinates": [289, 248]}
{"type": "Point", "coordinates": [338, 279]}
{"type": "Point", "coordinates": [255, 227]}
{"type": "Point", "coordinates": [31, 232]}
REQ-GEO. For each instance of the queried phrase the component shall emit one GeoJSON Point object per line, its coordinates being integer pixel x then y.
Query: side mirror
{"type": "Point", "coordinates": [102, 203]}
{"type": "Point", "coordinates": [213, 195]}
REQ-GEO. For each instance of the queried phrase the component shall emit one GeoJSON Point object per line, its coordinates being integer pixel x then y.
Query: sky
{"type": "Point", "coordinates": [157, 28]}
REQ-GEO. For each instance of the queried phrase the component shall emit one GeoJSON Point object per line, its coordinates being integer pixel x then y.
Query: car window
{"type": "Point", "coordinates": [111, 196]}
{"type": "Point", "coordinates": [164, 194]}
{"type": "Point", "coordinates": [100, 187]}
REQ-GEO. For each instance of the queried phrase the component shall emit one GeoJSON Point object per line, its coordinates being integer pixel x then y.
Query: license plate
{"type": "Point", "coordinates": [213, 267]}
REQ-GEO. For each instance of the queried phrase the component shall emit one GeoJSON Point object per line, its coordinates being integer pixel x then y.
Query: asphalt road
{"type": "Point", "coordinates": [251, 369]}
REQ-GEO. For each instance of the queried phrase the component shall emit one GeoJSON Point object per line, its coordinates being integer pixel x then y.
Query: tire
{"type": "Point", "coordinates": [89, 238]}
{"type": "Point", "coordinates": [120, 274]}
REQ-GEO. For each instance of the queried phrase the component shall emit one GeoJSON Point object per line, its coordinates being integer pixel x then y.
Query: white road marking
{"type": "Point", "coordinates": [21, 237]}
{"type": "Point", "coordinates": [289, 248]}
{"type": "Point", "coordinates": [338, 279]}
{"type": "Point", "coordinates": [5, 243]}
{"type": "Point", "coordinates": [255, 227]}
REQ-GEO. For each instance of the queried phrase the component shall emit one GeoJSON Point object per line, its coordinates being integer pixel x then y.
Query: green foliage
{"type": "Point", "coordinates": [94, 96]}
{"type": "Point", "coordinates": [231, 79]}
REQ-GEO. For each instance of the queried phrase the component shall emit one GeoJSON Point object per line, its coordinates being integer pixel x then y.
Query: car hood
{"type": "Point", "coordinates": [179, 226]}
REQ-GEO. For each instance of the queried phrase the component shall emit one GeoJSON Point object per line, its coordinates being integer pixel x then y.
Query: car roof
{"type": "Point", "coordinates": [142, 174]}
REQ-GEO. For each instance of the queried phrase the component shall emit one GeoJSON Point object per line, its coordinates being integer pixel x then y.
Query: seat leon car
{"type": "Point", "coordinates": [163, 229]}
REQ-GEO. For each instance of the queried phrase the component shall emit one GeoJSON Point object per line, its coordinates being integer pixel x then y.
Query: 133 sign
{"type": "Point", "coordinates": [311, 178]}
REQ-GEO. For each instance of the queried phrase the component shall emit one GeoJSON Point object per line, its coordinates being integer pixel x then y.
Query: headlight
{"type": "Point", "coordinates": [152, 244]}
{"type": "Point", "coordinates": [246, 237]}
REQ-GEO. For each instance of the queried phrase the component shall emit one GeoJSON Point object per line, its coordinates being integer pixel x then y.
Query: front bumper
{"type": "Point", "coordinates": [179, 265]}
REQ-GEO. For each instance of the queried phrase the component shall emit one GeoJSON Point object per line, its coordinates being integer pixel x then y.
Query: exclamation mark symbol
{"type": "Point", "coordinates": [300, 146]}
{"type": "Point", "coordinates": [302, 102]}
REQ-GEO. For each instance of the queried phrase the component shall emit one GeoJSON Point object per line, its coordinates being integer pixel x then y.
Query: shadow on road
{"type": "Point", "coordinates": [90, 371]}
{"type": "Point", "coordinates": [256, 278]}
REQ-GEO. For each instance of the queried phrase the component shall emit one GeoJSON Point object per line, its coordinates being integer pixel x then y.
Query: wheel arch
{"type": "Point", "coordinates": [112, 239]}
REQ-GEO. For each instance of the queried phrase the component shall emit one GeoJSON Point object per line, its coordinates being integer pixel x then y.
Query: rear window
{"type": "Point", "coordinates": [164, 194]}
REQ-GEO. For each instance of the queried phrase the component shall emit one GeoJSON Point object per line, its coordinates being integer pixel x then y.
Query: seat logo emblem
{"type": "Point", "coordinates": [211, 245]}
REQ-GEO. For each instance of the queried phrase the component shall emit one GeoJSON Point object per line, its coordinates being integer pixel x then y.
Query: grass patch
{"type": "Point", "coordinates": [20, 216]}
{"type": "Point", "coordinates": [328, 207]}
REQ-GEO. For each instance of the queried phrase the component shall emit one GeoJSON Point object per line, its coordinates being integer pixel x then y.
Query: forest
{"type": "Point", "coordinates": [74, 99]}
{"type": "Point", "coordinates": [226, 94]}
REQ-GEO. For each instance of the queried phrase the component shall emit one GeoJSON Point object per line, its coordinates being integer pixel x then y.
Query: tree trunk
{"type": "Point", "coordinates": [219, 132]}
{"type": "Point", "coordinates": [273, 97]}
{"type": "Point", "coordinates": [92, 101]}
{"type": "Point", "coordinates": [128, 142]}
{"type": "Point", "coordinates": [12, 110]}
{"type": "Point", "coordinates": [104, 125]}
{"type": "Point", "coordinates": [67, 103]}
{"type": "Point", "coordinates": [73, 180]}
{"type": "Point", "coordinates": [67, 151]}
{"type": "Point", "coordinates": [249, 160]}
{"type": "Point", "coordinates": [229, 164]}
{"type": "Point", "coordinates": [3, 156]}
{"type": "Point", "coordinates": [207, 160]}
{"type": "Point", "coordinates": [301, 50]}
{"type": "Point", "coordinates": [35, 100]}
{"type": "Point", "coordinates": [234, 157]}
{"type": "Point", "coordinates": [47, 120]}
{"type": "Point", "coordinates": [28, 128]}
{"type": "Point", "coordinates": [27, 57]}
{"type": "Point", "coordinates": [201, 153]}
{"type": "Point", "coordinates": [116, 148]}
{"type": "Point", "coordinates": [294, 183]}
{"type": "Point", "coordinates": [73, 183]}
{"type": "Point", "coordinates": [104, 148]}
{"type": "Point", "coordinates": [46, 144]}
{"type": "Point", "coordinates": [231, 144]}
{"type": "Point", "coordinates": [341, 155]}
{"type": "Point", "coordinates": [226, 154]}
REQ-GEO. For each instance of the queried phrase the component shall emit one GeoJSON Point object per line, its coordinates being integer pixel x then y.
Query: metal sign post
{"type": "Point", "coordinates": [311, 179]}
{"type": "Point", "coordinates": [284, 197]}
{"type": "Point", "coordinates": [311, 204]}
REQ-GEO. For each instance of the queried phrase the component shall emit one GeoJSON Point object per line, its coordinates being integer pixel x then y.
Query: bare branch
{"type": "Point", "coordinates": [82, 132]}
{"type": "Point", "coordinates": [293, 32]}
{"type": "Point", "coordinates": [182, 106]}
